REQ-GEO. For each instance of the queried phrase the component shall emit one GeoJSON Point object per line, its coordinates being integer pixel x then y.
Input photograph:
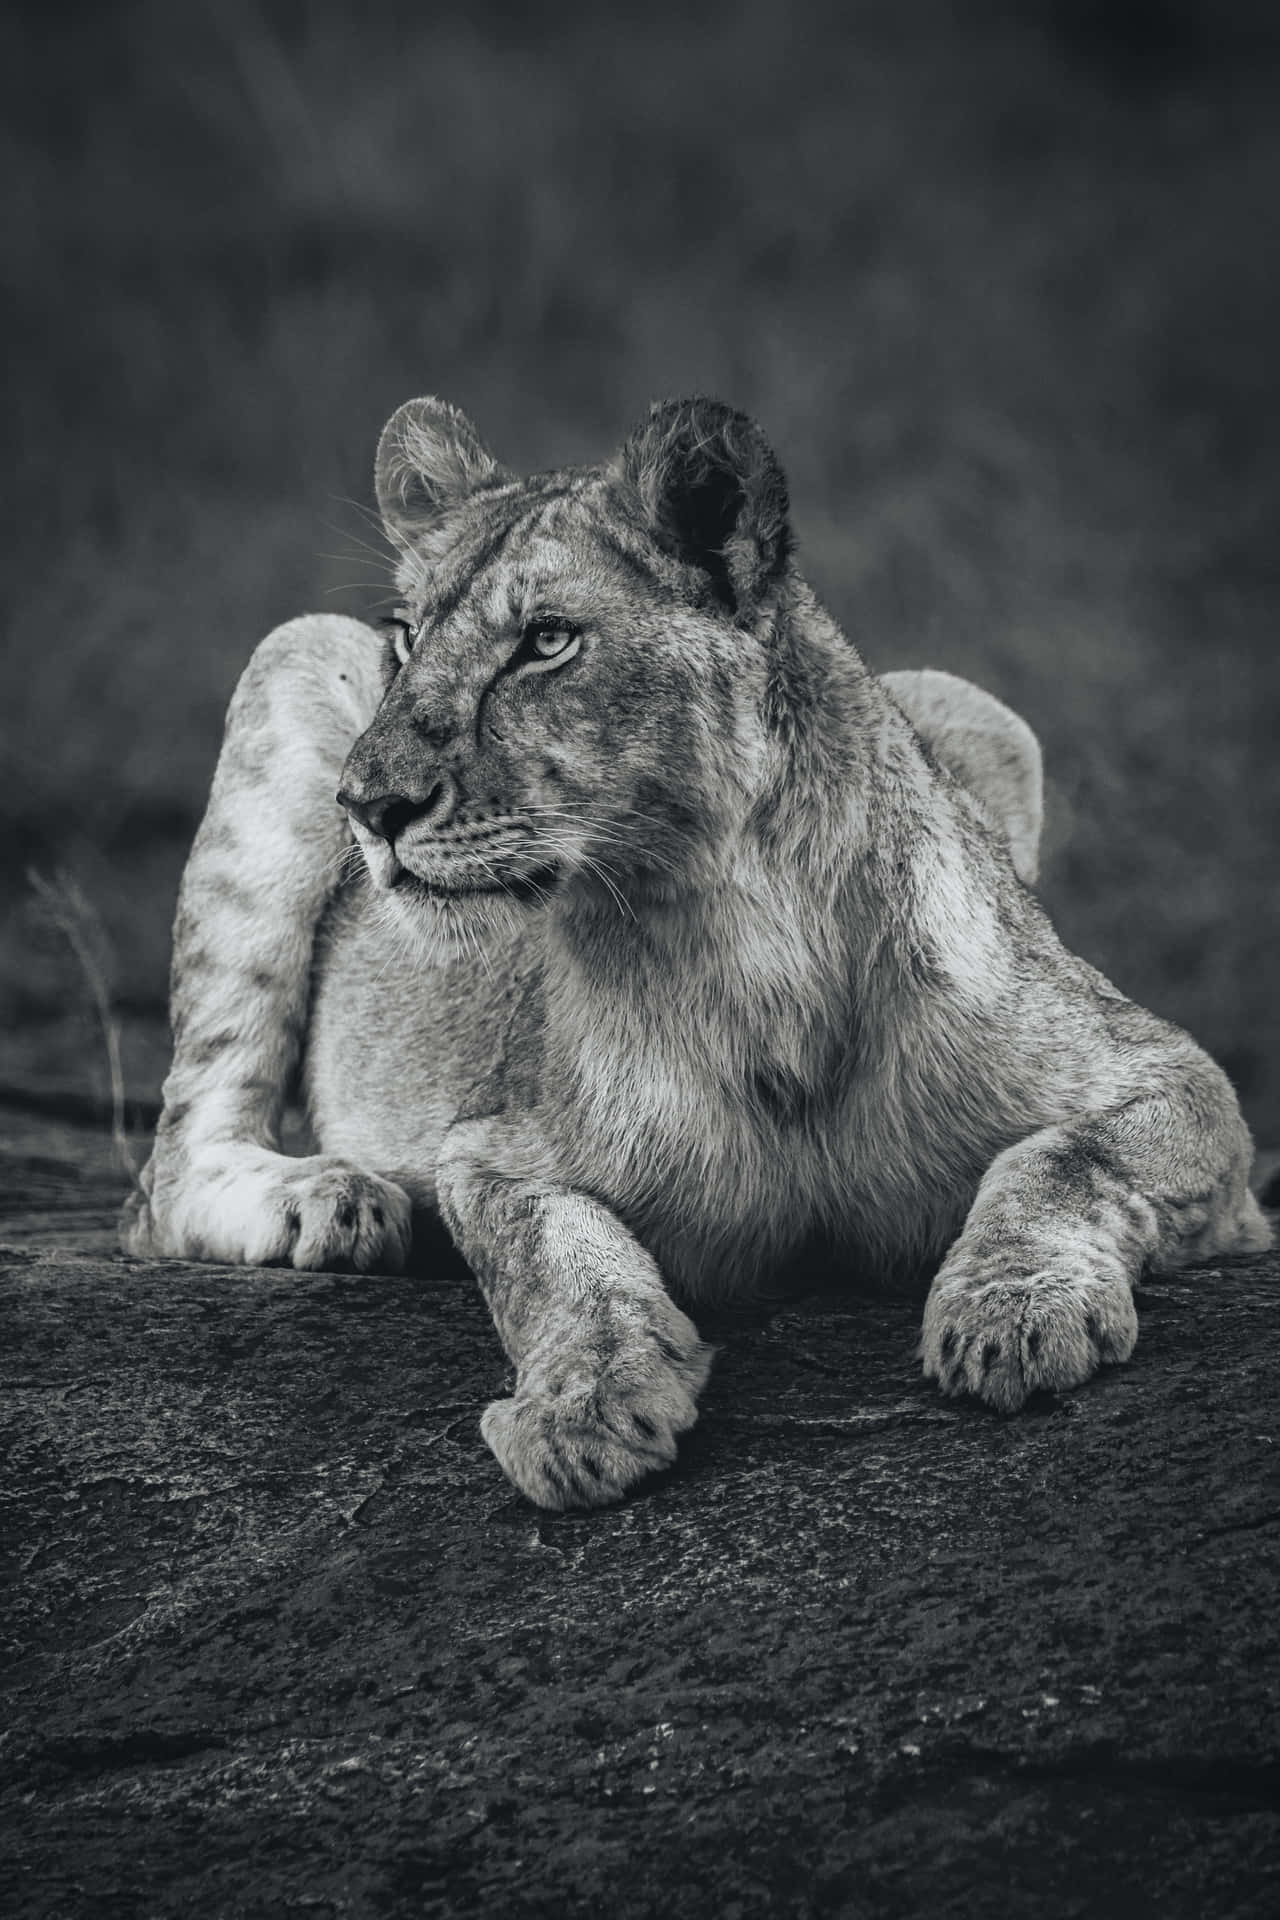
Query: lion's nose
{"type": "Point", "coordinates": [388, 814]}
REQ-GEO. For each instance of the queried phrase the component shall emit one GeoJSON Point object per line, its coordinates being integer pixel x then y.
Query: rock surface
{"type": "Point", "coordinates": [279, 1639]}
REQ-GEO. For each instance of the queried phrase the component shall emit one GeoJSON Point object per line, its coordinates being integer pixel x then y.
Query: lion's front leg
{"type": "Point", "coordinates": [265, 861]}
{"type": "Point", "coordinates": [608, 1369]}
{"type": "Point", "coordinates": [1038, 1290]}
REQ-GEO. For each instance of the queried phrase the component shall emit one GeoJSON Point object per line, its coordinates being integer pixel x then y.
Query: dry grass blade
{"type": "Point", "coordinates": [73, 913]}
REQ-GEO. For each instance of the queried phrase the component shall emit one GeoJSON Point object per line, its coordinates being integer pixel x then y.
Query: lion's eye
{"type": "Point", "coordinates": [548, 642]}
{"type": "Point", "coordinates": [405, 634]}
{"type": "Point", "coordinates": [549, 638]}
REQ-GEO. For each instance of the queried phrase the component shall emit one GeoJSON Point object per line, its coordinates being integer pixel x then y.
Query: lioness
{"type": "Point", "coordinates": [676, 951]}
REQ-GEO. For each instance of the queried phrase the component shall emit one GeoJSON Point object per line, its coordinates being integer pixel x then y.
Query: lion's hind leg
{"type": "Point", "coordinates": [269, 854]}
{"type": "Point", "coordinates": [988, 748]}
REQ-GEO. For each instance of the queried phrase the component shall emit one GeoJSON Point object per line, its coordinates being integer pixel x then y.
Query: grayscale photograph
{"type": "Point", "coordinates": [639, 1019]}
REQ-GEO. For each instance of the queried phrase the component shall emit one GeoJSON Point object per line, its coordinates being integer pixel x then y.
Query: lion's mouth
{"type": "Point", "coordinates": [529, 885]}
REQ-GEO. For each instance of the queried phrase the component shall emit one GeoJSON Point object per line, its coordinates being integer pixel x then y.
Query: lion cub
{"type": "Point", "coordinates": [675, 944]}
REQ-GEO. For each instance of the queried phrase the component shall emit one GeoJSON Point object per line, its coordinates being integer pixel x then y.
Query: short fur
{"type": "Point", "coordinates": [662, 968]}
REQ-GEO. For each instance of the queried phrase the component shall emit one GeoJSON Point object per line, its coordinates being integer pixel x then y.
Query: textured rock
{"type": "Point", "coordinates": [279, 1638]}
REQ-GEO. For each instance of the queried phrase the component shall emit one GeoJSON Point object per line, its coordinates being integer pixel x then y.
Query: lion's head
{"type": "Point", "coordinates": [580, 662]}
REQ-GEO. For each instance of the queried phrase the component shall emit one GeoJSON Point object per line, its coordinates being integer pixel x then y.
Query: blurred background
{"type": "Point", "coordinates": [1001, 278]}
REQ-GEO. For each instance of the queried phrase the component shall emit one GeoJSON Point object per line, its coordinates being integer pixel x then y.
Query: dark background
{"type": "Point", "coordinates": [1002, 281]}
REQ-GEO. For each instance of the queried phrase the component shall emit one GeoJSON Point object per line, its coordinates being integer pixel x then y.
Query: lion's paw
{"type": "Point", "coordinates": [580, 1433]}
{"type": "Point", "coordinates": [337, 1217]}
{"type": "Point", "coordinates": [1002, 1337]}
{"type": "Point", "coordinates": [258, 1208]}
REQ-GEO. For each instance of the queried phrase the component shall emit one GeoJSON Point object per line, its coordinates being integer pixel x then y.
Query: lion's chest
{"type": "Point", "coordinates": [700, 1145]}
{"type": "Point", "coordinates": [731, 1144]}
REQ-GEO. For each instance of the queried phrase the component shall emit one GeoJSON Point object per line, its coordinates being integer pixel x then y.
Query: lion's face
{"type": "Point", "coordinates": [574, 685]}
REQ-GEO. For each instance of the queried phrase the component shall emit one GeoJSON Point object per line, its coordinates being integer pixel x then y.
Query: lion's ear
{"type": "Point", "coordinates": [429, 456]}
{"type": "Point", "coordinates": [711, 492]}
